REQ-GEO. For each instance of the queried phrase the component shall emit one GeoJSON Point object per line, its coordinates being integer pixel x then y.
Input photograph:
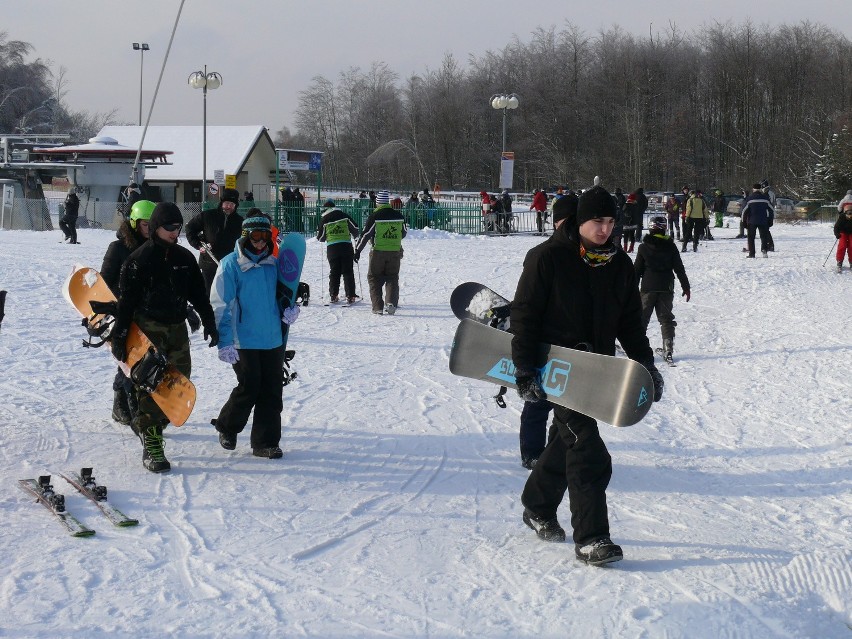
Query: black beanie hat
{"type": "Point", "coordinates": [596, 202]}
{"type": "Point", "coordinates": [231, 195]}
{"type": "Point", "coordinates": [164, 213]}
{"type": "Point", "coordinates": [564, 207]}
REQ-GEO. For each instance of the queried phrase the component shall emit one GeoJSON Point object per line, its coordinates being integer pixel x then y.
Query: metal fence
{"type": "Point", "coordinates": [453, 216]}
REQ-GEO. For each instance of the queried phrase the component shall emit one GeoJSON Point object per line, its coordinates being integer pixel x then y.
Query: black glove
{"type": "Point", "coordinates": [213, 334]}
{"type": "Point", "coordinates": [529, 386]}
{"type": "Point", "coordinates": [118, 345]}
{"type": "Point", "coordinates": [659, 384]}
{"type": "Point", "coordinates": [192, 318]}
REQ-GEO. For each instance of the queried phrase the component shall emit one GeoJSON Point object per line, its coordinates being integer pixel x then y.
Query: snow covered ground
{"type": "Point", "coordinates": [395, 511]}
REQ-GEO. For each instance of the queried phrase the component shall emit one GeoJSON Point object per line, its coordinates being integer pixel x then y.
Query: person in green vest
{"type": "Point", "coordinates": [337, 229]}
{"type": "Point", "coordinates": [384, 229]}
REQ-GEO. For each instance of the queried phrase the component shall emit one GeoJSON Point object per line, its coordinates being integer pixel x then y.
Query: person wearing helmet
{"type": "Point", "coordinates": [130, 235]}
{"type": "Point", "coordinates": [657, 262]}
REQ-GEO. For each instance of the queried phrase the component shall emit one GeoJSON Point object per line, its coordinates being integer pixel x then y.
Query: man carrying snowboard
{"type": "Point", "coordinates": [577, 290]}
{"type": "Point", "coordinates": [157, 281]}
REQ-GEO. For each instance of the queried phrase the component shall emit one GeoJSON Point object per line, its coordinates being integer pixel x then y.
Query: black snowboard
{"type": "Point", "coordinates": [477, 302]}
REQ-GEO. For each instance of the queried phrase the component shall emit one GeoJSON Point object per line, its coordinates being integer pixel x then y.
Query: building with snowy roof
{"type": "Point", "coordinates": [246, 152]}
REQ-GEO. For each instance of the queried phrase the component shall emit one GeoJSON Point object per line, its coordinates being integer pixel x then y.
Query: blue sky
{"type": "Point", "coordinates": [268, 50]}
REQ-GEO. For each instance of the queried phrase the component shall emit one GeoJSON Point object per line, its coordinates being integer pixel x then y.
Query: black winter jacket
{"type": "Point", "coordinates": [335, 215]}
{"type": "Point", "coordinates": [842, 225]}
{"type": "Point", "coordinates": [657, 262]}
{"type": "Point", "coordinates": [117, 252]}
{"type": "Point", "coordinates": [157, 280]}
{"type": "Point", "coordinates": [562, 300]}
{"type": "Point", "coordinates": [220, 231]}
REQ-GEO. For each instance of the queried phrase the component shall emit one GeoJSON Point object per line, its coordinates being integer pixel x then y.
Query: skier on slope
{"type": "Point", "coordinates": [657, 262]}
{"type": "Point", "coordinates": [843, 233]}
{"type": "Point", "coordinates": [384, 229]}
{"type": "Point", "coordinates": [577, 291]}
{"type": "Point", "coordinates": [157, 281]}
{"type": "Point", "coordinates": [337, 229]}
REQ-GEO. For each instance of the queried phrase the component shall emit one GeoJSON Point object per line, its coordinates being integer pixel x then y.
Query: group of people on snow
{"type": "Point", "coordinates": [232, 291]}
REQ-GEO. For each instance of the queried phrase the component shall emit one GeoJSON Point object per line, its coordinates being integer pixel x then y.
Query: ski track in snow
{"type": "Point", "coordinates": [396, 509]}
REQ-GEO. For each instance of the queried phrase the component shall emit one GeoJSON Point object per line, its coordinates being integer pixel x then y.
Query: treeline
{"type": "Point", "coordinates": [723, 106]}
{"type": "Point", "coordinates": [32, 97]}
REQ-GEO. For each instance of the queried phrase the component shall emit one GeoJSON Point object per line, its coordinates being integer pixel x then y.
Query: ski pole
{"type": "Point", "coordinates": [322, 276]}
{"type": "Point", "coordinates": [830, 252]}
{"type": "Point", "coordinates": [360, 288]}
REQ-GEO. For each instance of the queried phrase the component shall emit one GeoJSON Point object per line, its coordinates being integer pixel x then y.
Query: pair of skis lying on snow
{"type": "Point", "coordinates": [615, 390]}
{"type": "Point", "coordinates": [86, 485]}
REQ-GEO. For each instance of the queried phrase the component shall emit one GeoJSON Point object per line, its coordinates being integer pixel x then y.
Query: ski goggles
{"type": "Point", "coordinates": [599, 257]}
{"type": "Point", "coordinates": [174, 226]}
{"type": "Point", "coordinates": [257, 236]}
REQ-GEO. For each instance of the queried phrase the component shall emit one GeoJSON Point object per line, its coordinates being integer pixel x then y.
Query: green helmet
{"type": "Point", "coordinates": [141, 210]}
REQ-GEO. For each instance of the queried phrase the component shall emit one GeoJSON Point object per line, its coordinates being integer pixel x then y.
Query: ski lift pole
{"type": "Point", "coordinates": [134, 172]}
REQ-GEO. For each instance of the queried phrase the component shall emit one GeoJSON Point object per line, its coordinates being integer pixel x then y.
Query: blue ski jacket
{"type": "Point", "coordinates": [243, 300]}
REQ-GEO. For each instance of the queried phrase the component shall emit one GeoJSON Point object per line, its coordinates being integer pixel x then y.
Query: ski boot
{"type": "Point", "coordinates": [153, 453]}
{"type": "Point", "coordinates": [598, 552]}
{"type": "Point", "coordinates": [120, 409]}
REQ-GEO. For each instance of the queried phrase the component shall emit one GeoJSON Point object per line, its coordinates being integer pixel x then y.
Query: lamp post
{"type": "Point", "coordinates": [141, 48]}
{"type": "Point", "coordinates": [204, 80]}
{"type": "Point", "coordinates": [504, 102]}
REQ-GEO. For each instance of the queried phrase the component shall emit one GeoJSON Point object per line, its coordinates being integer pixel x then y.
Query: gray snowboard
{"type": "Point", "coordinates": [615, 390]}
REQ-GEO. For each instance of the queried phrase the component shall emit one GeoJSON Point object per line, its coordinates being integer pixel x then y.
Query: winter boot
{"type": "Point", "coordinates": [546, 529]}
{"type": "Point", "coordinates": [630, 250]}
{"type": "Point", "coordinates": [270, 452]}
{"type": "Point", "coordinates": [683, 248]}
{"type": "Point", "coordinates": [153, 455]}
{"type": "Point", "coordinates": [120, 410]}
{"type": "Point", "coordinates": [598, 552]}
{"type": "Point", "coordinates": [840, 266]}
{"type": "Point", "coordinates": [390, 309]}
{"type": "Point", "coordinates": [668, 350]}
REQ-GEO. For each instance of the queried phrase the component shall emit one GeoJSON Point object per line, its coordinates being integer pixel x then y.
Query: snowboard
{"type": "Point", "coordinates": [171, 390]}
{"type": "Point", "coordinates": [615, 390]}
{"type": "Point", "coordinates": [291, 257]}
{"type": "Point", "coordinates": [477, 302]}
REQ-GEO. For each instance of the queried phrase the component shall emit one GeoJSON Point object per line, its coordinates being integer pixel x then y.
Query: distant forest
{"type": "Point", "coordinates": [721, 107]}
{"type": "Point", "coordinates": [32, 97]}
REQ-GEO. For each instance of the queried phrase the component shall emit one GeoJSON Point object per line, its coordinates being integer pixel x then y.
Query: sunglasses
{"type": "Point", "coordinates": [257, 236]}
{"type": "Point", "coordinates": [175, 226]}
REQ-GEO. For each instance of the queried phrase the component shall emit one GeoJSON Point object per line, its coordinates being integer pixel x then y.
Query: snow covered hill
{"type": "Point", "coordinates": [396, 512]}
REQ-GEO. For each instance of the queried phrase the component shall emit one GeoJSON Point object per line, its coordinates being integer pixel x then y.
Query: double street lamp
{"type": "Point", "coordinates": [204, 80]}
{"type": "Point", "coordinates": [504, 102]}
{"type": "Point", "coordinates": [141, 48]}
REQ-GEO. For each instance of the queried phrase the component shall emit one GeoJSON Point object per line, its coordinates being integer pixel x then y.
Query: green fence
{"type": "Point", "coordinates": [456, 217]}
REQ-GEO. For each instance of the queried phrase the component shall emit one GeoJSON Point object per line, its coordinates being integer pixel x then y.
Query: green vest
{"type": "Point", "coordinates": [388, 235]}
{"type": "Point", "coordinates": [337, 232]}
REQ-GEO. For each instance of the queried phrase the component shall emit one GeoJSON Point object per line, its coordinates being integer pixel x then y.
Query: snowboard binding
{"type": "Point", "coordinates": [289, 375]}
{"type": "Point", "coordinates": [100, 323]}
{"type": "Point", "coordinates": [149, 371]}
{"type": "Point", "coordinates": [56, 501]}
{"type": "Point", "coordinates": [303, 294]}
{"type": "Point", "coordinates": [498, 317]}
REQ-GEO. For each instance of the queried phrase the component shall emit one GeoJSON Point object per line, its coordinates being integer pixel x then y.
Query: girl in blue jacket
{"type": "Point", "coordinates": [249, 323]}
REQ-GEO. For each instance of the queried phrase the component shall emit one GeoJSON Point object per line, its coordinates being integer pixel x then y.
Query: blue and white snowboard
{"type": "Point", "coordinates": [291, 257]}
{"type": "Point", "coordinates": [615, 390]}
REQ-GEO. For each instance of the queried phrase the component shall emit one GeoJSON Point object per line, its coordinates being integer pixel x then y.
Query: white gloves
{"type": "Point", "coordinates": [229, 355]}
{"type": "Point", "coordinates": [290, 315]}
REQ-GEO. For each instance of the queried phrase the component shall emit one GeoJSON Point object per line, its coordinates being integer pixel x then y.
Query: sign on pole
{"type": "Point", "coordinates": [230, 181]}
{"type": "Point", "coordinates": [213, 189]}
{"type": "Point", "coordinates": [507, 168]}
{"type": "Point", "coordinates": [219, 177]}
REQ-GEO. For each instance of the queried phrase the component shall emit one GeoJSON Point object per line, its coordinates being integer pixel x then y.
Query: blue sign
{"type": "Point", "coordinates": [315, 163]}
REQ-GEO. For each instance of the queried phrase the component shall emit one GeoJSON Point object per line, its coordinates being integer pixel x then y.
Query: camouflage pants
{"type": "Point", "coordinates": [172, 340]}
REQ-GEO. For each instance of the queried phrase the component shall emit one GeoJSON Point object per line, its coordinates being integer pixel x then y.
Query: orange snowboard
{"type": "Point", "coordinates": [175, 394]}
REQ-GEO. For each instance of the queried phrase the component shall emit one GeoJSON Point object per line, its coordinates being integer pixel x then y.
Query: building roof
{"type": "Point", "coordinates": [228, 148]}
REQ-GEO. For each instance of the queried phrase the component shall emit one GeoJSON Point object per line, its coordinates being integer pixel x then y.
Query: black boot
{"type": "Point", "coordinates": [120, 409]}
{"type": "Point", "coordinates": [153, 453]}
{"type": "Point", "coordinates": [668, 350]}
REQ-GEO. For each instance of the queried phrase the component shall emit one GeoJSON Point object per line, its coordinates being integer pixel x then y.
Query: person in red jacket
{"type": "Point", "coordinates": [539, 205]}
